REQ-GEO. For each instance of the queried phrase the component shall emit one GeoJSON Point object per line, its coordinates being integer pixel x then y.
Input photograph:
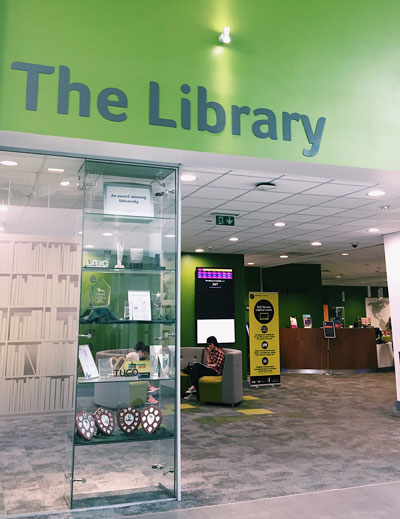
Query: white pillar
{"type": "Point", "coordinates": [392, 258]}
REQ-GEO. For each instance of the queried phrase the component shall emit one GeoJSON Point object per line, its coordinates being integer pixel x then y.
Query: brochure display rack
{"type": "Point", "coordinates": [125, 434]}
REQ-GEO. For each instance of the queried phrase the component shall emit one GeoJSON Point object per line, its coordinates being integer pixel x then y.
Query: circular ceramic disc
{"type": "Point", "coordinates": [151, 419]}
{"type": "Point", "coordinates": [128, 419]}
{"type": "Point", "coordinates": [105, 421]}
{"type": "Point", "coordinates": [85, 425]}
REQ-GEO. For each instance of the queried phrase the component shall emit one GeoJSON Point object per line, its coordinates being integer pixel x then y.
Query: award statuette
{"type": "Point", "coordinates": [151, 419]}
{"type": "Point", "coordinates": [120, 253]}
{"type": "Point", "coordinates": [105, 421]}
{"type": "Point", "coordinates": [85, 425]}
{"type": "Point", "coordinates": [128, 419]}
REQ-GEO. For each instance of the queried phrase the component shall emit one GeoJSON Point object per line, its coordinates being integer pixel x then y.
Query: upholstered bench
{"type": "Point", "coordinates": [224, 389]}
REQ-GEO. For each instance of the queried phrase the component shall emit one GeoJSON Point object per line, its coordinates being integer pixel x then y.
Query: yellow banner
{"type": "Point", "coordinates": [264, 338]}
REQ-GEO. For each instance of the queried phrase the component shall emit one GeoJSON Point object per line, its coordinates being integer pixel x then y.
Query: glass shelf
{"type": "Point", "coordinates": [121, 380]}
{"type": "Point", "coordinates": [125, 270]}
{"type": "Point", "coordinates": [120, 437]}
{"type": "Point", "coordinates": [131, 321]}
{"type": "Point", "coordinates": [127, 219]}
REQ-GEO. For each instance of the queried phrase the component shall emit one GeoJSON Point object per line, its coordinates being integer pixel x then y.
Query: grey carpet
{"type": "Point", "coordinates": [325, 432]}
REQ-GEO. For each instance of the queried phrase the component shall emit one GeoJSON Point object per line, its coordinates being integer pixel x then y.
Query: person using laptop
{"type": "Point", "coordinates": [214, 357]}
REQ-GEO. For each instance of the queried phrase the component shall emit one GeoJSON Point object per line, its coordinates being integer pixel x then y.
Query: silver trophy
{"type": "Point", "coordinates": [120, 253]}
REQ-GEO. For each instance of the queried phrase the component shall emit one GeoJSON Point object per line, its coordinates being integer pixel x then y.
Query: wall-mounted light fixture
{"type": "Point", "coordinates": [343, 296]}
{"type": "Point", "coordinates": [368, 291]}
{"type": "Point", "coordinates": [224, 37]}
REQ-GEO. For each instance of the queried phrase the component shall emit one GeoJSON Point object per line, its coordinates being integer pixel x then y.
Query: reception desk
{"type": "Point", "coordinates": [306, 348]}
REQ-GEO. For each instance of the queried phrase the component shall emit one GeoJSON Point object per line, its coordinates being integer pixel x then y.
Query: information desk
{"type": "Point", "coordinates": [306, 348]}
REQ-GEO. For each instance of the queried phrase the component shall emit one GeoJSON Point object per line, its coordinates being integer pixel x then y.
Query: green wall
{"type": "Point", "coordinates": [300, 292]}
{"type": "Point", "coordinates": [321, 59]}
{"type": "Point", "coordinates": [188, 325]}
{"type": "Point", "coordinates": [354, 304]}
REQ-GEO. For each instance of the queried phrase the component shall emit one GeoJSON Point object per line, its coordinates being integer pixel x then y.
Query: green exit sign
{"type": "Point", "coordinates": [225, 219]}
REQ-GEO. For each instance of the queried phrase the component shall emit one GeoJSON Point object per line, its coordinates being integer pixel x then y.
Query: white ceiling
{"type": "Point", "coordinates": [335, 211]}
{"type": "Point", "coordinates": [322, 203]}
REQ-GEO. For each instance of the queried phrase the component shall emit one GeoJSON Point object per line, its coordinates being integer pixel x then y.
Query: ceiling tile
{"type": "Point", "coordinates": [187, 189]}
{"type": "Point", "coordinates": [282, 208]}
{"type": "Point", "coordinates": [238, 182]}
{"type": "Point", "coordinates": [237, 205]}
{"type": "Point", "coordinates": [262, 196]}
{"type": "Point", "coordinates": [267, 175]}
{"type": "Point", "coordinates": [292, 186]}
{"type": "Point", "coordinates": [293, 218]}
{"type": "Point", "coordinates": [311, 226]}
{"type": "Point", "coordinates": [358, 213]}
{"type": "Point", "coordinates": [346, 203]}
{"type": "Point", "coordinates": [307, 200]}
{"type": "Point", "coordinates": [333, 190]}
{"type": "Point", "coordinates": [201, 202]}
{"type": "Point", "coordinates": [218, 193]}
{"type": "Point", "coordinates": [321, 211]}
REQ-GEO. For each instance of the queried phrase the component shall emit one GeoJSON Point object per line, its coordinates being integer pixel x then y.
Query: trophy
{"type": "Point", "coordinates": [136, 256]}
{"type": "Point", "coordinates": [120, 253]}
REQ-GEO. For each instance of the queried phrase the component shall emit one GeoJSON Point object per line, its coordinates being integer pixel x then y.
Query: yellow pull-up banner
{"type": "Point", "coordinates": [264, 338]}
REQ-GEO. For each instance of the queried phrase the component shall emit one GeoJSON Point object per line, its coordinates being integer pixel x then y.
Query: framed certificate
{"type": "Point", "coordinates": [139, 305]}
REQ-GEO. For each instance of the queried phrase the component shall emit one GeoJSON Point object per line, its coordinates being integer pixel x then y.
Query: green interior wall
{"type": "Point", "coordinates": [304, 56]}
{"type": "Point", "coordinates": [354, 304]}
{"type": "Point", "coordinates": [188, 324]}
{"type": "Point", "coordinates": [300, 292]}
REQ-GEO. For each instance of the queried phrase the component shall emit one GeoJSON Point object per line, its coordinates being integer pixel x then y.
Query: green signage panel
{"type": "Point", "coordinates": [225, 219]}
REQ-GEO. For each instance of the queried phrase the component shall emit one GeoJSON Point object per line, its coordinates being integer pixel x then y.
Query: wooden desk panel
{"type": "Point", "coordinates": [306, 348]}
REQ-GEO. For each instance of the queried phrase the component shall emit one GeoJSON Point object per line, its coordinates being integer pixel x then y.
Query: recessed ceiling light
{"type": "Point", "coordinates": [89, 246]}
{"type": "Point", "coordinates": [188, 177]}
{"type": "Point", "coordinates": [250, 263]}
{"type": "Point", "coordinates": [284, 256]}
{"type": "Point", "coordinates": [376, 192]}
{"type": "Point", "coordinates": [170, 235]}
{"type": "Point", "coordinates": [345, 253]}
{"type": "Point", "coordinates": [199, 250]}
{"type": "Point", "coordinates": [65, 183]}
{"type": "Point", "coordinates": [107, 234]}
{"type": "Point", "coordinates": [374, 229]}
{"type": "Point", "coordinates": [80, 232]}
{"type": "Point", "coordinates": [338, 277]}
{"type": "Point", "coordinates": [56, 170]}
{"type": "Point", "coordinates": [9, 163]}
{"type": "Point", "coordinates": [279, 224]}
{"type": "Point", "coordinates": [233, 239]}
{"type": "Point", "coordinates": [316, 243]}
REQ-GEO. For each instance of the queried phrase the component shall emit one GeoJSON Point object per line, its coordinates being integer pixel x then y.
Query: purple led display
{"type": "Point", "coordinates": [214, 274]}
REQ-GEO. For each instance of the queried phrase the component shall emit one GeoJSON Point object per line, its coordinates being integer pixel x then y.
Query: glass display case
{"type": "Point", "coordinates": [125, 433]}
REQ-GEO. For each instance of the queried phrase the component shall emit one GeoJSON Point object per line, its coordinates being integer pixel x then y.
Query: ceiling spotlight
{"type": "Point", "coordinates": [188, 177]}
{"type": "Point", "coordinates": [199, 250]}
{"type": "Point", "coordinates": [233, 239]}
{"type": "Point", "coordinates": [284, 256]}
{"type": "Point", "coordinates": [89, 247]}
{"type": "Point", "coordinates": [65, 183]}
{"type": "Point", "coordinates": [385, 207]}
{"type": "Point", "coordinates": [107, 234]}
{"type": "Point", "coordinates": [9, 163]}
{"type": "Point", "coordinates": [376, 192]}
{"type": "Point", "coordinates": [250, 263]}
{"type": "Point", "coordinates": [80, 232]}
{"type": "Point", "coordinates": [345, 253]}
{"type": "Point", "coordinates": [56, 170]}
{"type": "Point", "coordinates": [316, 243]}
{"type": "Point", "coordinates": [170, 235]}
{"type": "Point", "coordinates": [225, 37]}
{"type": "Point", "coordinates": [374, 229]}
{"type": "Point", "coordinates": [339, 277]}
{"type": "Point", "coordinates": [279, 224]}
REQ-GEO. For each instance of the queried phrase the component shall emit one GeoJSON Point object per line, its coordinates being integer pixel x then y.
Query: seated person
{"type": "Point", "coordinates": [142, 352]}
{"type": "Point", "coordinates": [214, 365]}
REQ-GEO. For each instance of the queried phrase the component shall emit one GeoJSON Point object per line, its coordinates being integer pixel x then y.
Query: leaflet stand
{"type": "Point", "coordinates": [329, 333]}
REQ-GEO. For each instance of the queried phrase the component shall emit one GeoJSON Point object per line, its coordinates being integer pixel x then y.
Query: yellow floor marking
{"type": "Point", "coordinates": [254, 411]}
{"type": "Point", "coordinates": [249, 397]}
{"type": "Point", "coordinates": [187, 406]}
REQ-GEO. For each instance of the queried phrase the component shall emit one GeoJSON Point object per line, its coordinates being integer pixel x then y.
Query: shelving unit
{"type": "Point", "coordinates": [39, 300]}
{"type": "Point", "coordinates": [114, 240]}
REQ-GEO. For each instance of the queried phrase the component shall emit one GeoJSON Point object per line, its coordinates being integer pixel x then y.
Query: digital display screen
{"type": "Point", "coordinates": [209, 273]}
{"type": "Point", "coordinates": [222, 329]}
